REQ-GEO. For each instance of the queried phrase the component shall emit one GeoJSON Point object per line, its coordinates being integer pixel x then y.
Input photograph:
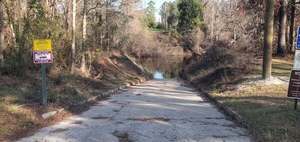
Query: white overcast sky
{"type": "Point", "coordinates": [158, 4]}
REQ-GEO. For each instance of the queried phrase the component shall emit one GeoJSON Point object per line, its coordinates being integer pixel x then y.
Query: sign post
{"type": "Point", "coordinates": [42, 54]}
{"type": "Point", "coordinates": [44, 84]}
{"type": "Point", "coordinates": [296, 104]}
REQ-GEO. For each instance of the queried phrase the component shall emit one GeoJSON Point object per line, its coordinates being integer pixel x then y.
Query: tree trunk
{"type": "Point", "coordinates": [73, 37]}
{"type": "Point", "coordinates": [2, 45]}
{"type": "Point", "coordinates": [212, 26]}
{"type": "Point", "coordinates": [292, 25]}
{"type": "Point", "coordinates": [107, 27]}
{"type": "Point", "coordinates": [83, 65]}
{"type": "Point", "coordinates": [268, 39]}
{"type": "Point", "coordinates": [166, 18]}
{"type": "Point", "coordinates": [90, 60]}
{"type": "Point", "coordinates": [68, 17]}
{"type": "Point", "coordinates": [281, 49]}
{"type": "Point", "coordinates": [45, 4]}
{"type": "Point", "coordinates": [84, 24]}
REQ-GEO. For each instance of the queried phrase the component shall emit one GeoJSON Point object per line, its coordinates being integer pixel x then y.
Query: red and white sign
{"type": "Point", "coordinates": [42, 57]}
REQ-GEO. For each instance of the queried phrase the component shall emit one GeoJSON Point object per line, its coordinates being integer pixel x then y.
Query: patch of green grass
{"type": "Point", "coordinates": [267, 110]}
{"type": "Point", "coordinates": [280, 67]}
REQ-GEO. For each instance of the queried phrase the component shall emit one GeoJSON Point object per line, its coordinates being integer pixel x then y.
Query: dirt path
{"type": "Point", "coordinates": [157, 111]}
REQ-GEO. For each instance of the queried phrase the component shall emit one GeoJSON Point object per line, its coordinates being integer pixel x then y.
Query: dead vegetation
{"type": "Point", "coordinates": [217, 66]}
{"type": "Point", "coordinates": [263, 106]}
{"type": "Point", "coordinates": [20, 109]}
{"type": "Point", "coordinates": [145, 43]}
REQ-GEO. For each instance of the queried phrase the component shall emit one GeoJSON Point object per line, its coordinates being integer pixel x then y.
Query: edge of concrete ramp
{"type": "Point", "coordinates": [230, 113]}
{"type": "Point", "coordinates": [112, 92]}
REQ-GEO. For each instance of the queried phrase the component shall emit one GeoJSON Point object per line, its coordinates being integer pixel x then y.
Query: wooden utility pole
{"type": "Point", "coordinates": [268, 39]}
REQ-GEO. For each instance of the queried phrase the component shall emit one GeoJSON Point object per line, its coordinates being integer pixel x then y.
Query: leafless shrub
{"type": "Point", "coordinates": [218, 65]}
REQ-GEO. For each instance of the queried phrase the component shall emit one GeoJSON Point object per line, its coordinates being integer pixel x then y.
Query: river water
{"type": "Point", "coordinates": [157, 75]}
{"type": "Point", "coordinates": [166, 67]}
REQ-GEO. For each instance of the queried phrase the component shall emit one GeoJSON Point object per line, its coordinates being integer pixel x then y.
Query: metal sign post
{"type": "Point", "coordinates": [42, 54]}
{"type": "Point", "coordinates": [44, 84]}
{"type": "Point", "coordinates": [296, 104]}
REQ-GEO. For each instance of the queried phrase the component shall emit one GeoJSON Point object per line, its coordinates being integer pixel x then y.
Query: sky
{"type": "Point", "coordinates": [158, 4]}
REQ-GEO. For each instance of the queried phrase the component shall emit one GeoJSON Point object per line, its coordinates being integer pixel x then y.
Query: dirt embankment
{"type": "Point", "coordinates": [20, 109]}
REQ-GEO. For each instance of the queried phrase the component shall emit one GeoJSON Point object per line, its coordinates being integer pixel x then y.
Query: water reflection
{"type": "Point", "coordinates": [158, 75]}
{"type": "Point", "coordinates": [163, 67]}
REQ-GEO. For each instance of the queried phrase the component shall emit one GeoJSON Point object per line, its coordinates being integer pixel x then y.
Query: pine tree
{"type": "Point", "coordinates": [190, 15]}
{"type": "Point", "coordinates": [150, 14]}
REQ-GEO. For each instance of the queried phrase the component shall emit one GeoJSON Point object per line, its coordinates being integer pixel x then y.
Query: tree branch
{"type": "Point", "coordinates": [93, 8]}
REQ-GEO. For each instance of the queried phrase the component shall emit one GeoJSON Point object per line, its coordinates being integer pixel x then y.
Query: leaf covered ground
{"type": "Point", "coordinates": [20, 109]}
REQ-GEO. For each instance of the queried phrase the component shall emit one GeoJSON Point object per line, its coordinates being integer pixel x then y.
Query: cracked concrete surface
{"type": "Point", "coordinates": [156, 111]}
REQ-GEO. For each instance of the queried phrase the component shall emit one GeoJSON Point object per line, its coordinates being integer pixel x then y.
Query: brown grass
{"type": "Point", "coordinates": [16, 120]}
{"type": "Point", "coordinates": [218, 66]}
{"type": "Point", "coordinates": [20, 109]}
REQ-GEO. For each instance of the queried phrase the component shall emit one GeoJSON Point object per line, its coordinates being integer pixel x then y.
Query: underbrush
{"type": "Point", "coordinates": [20, 109]}
{"type": "Point", "coordinates": [219, 65]}
{"type": "Point", "coordinates": [232, 78]}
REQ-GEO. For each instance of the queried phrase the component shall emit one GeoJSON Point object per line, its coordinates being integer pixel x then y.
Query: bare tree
{"type": "Point", "coordinates": [104, 26]}
{"type": "Point", "coordinates": [84, 34]}
{"type": "Point", "coordinates": [74, 5]}
{"type": "Point", "coordinates": [2, 44]}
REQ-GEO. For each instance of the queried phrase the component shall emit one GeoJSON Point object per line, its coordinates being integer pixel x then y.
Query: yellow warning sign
{"type": "Point", "coordinates": [42, 45]}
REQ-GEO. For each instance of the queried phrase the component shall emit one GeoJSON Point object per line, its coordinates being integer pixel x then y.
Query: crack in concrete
{"type": "Point", "coordinates": [122, 136]}
{"type": "Point", "coordinates": [217, 118]}
{"type": "Point", "coordinates": [101, 118]}
{"type": "Point", "coordinates": [77, 122]}
{"type": "Point", "coordinates": [59, 130]}
{"type": "Point", "coordinates": [157, 117]}
{"type": "Point", "coordinates": [146, 119]}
